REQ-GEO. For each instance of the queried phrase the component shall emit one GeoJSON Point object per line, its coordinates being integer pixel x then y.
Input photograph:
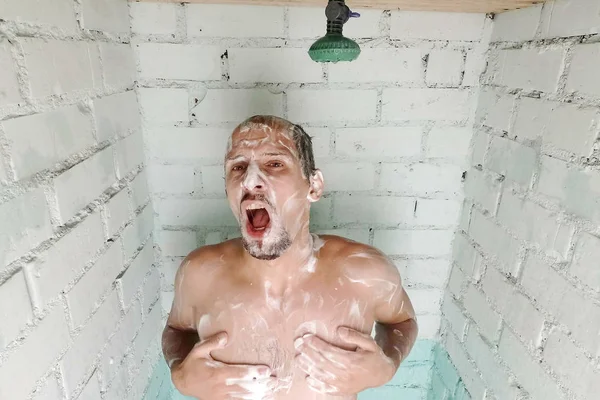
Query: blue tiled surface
{"type": "Point", "coordinates": [427, 374]}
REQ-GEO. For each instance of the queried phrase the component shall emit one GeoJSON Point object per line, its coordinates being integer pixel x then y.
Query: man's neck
{"type": "Point", "coordinates": [286, 269]}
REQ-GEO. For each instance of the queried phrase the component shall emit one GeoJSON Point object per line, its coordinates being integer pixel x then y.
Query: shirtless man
{"type": "Point", "coordinates": [281, 313]}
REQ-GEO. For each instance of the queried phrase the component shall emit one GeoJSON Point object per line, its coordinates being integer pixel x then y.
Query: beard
{"type": "Point", "coordinates": [269, 248]}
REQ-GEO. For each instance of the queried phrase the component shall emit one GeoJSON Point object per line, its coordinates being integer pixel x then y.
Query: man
{"type": "Point", "coordinates": [281, 313]}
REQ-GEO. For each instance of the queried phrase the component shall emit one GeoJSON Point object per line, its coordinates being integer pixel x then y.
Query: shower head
{"type": "Point", "coordinates": [334, 46]}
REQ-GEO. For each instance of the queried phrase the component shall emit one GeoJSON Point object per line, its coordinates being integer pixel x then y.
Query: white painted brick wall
{"type": "Point", "coordinates": [234, 21]}
{"type": "Point", "coordinates": [420, 179]}
{"type": "Point", "coordinates": [41, 140]}
{"type": "Point", "coordinates": [12, 292]}
{"type": "Point", "coordinates": [272, 65]}
{"type": "Point", "coordinates": [230, 105]}
{"type": "Point", "coordinates": [436, 25]}
{"type": "Point", "coordinates": [381, 65]}
{"type": "Point", "coordinates": [61, 149]}
{"type": "Point", "coordinates": [153, 18]}
{"type": "Point", "coordinates": [321, 105]}
{"type": "Point", "coordinates": [426, 104]}
{"type": "Point", "coordinates": [194, 62]}
{"type": "Point", "coordinates": [379, 142]}
{"type": "Point", "coordinates": [537, 125]}
{"type": "Point", "coordinates": [444, 67]}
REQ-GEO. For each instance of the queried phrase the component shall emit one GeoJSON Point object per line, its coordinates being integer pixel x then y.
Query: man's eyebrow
{"type": "Point", "coordinates": [275, 154]}
{"type": "Point", "coordinates": [234, 158]}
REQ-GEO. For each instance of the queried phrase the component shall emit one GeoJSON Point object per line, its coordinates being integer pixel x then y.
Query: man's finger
{"type": "Point", "coordinates": [319, 386]}
{"type": "Point", "coordinates": [322, 346]}
{"type": "Point", "coordinates": [204, 347]}
{"type": "Point", "coordinates": [325, 358]}
{"type": "Point", "coordinates": [242, 373]}
{"type": "Point", "coordinates": [362, 340]}
{"type": "Point", "coordinates": [312, 369]}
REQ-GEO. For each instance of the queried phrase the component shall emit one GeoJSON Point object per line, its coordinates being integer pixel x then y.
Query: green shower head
{"type": "Point", "coordinates": [334, 46]}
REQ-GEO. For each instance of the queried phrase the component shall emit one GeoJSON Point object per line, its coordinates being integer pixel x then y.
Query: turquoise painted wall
{"type": "Point", "coordinates": [427, 374]}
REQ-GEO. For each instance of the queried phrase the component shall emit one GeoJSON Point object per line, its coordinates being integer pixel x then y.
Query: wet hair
{"type": "Point", "coordinates": [302, 141]}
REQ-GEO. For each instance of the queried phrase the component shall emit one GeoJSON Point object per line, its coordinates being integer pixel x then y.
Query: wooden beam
{"type": "Point", "coordinates": [473, 6]}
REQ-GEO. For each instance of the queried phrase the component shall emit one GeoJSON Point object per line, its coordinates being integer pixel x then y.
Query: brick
{"type": "Point", "coordinates": [151, 292]}
{"type": "Point", "coordinates": [235, 105]}
{"type": "Point", "coordinates": [465, 215]}
{"type": "Point", "coordinates": [137, 232]}
{"type": "Point", "coordinates": [129, 154]}
{"type": "Point", "coordinates": [445, 67]}
{"type": "Point", "coordinates": [17, 373]}
{"type": "Point", "coordinates": [492, 372]}
{"type": "Point", "coordinates": [194, 62]}
{"type": "Point", "coordinates": [432, 273]}
{"type": "Point", "coordinates": [470, 377]}
{"type": "Point", "coordinates": [511, 159]}
{"type": "Point", "coordinates": [487, 320]}
{"type": "Point", "coordinates": [149, 331]}
{"type": "Point", "coordinates": [381, 65]}
{"type": "Point", "coordinates": [414, 242]}
{"type": "Point", "coordinates": [278, 65]}
{"type": "Point", "coordinates": [420, 179]}
{"type": "Point", "coordinates": [571, 365]}
{"type": "Point", "coordinates": [583, 324]}
{"type": "Point", "coordinates": [177, 243]}
{"type": "Point", "coordinates": [415, 104]}
{"type": "Point", "coordinates": [86, 294]}
{"type": "Point", "coordinates": [153, 18]}
{"type": "Point", "coordinates": [49, 391]}
{"type": "Point", "coordinates": [168, 271]}
{"type": "Point", "coordinates": [84, 182]}
{"type": "Point", "coordinates": [463, 254]}
{"type": "Point", "coordinates": [162, 105]}
{"type": "Point", "coordinates": [474, 66]}
{"type": "Point", "coordinates": [425, 301]}
{"type": "Point", "coordinates": [581, 77]}
{"type": "Point", "coordinates": [225, 20]}
{"type": "Point", "coordinates": [171, 178]}
{"type": "Point", "coordinates": [389, 211]}
{"type": "Point", "coordinates": [193, 212]}
{"type": "Point", "coordinates": [117, 115]}
{"type": "Point", "coordinates": [529, 372]}
{"type": "Point", "coordinates": [213, 179]}
{"type": "Point", "coordinates": [15, 308]}
{"type": "Point", "coordinates": [118, 388]}
{"type": "Point", "coordinates": [321, 138]}
{"type": "Point", "coordinates": [378, 142]}
{"type": "Point", "coordinates": [134, 275]}
{"type": "Point", "coordinates": [118, 212]}
{"type": "Point", "coordinates": [119, 64]}
{"type": "Point", "coordinates": [525, 319]}
{"type": "Point", "coordinates": [436, 25]}
{"type": "Point", "coordinates": [543, 284]}
{"type": "Point", "coordinates": [566, 183]}
{"type": "Point", "coordinates": [188, 144]}
{"type": "Point", "coordinates": [116, 349]}
{"type": "Point", "coordinates": [495, 242]}
{"type": "Point", "coordinates": [570, 18]}
{"type": "Point", "coordinates": [77, 362]}
{"type": "Point", "coordinates": [552, 121]}
{"type": "Point", "coordinates": [356, 176]}
{"type": "Point", "coordinates": [494, 109]}
{"type": "Point", "coordinates": [60, 14]}
{"type": "Point", "coordinates": [516, 25]}
{"type": "Point", "coordinates": [53, 270]}
{"type": "Point", "coordinates": [139, 189]}
{"type": "Point", "coordinates": [435, 212]}
{"type": "Point", "coordinates": [324, 105]}
{"type": "Point", "coordinates": [448, 141]}
{"type": "Point", "coordinates": [358, 235]}
{"type": "Point", "coordinates": [483, 188]}
{"type": "Point", "coordinates": [91, 390]}
{"type": "Point", "coordinates": [497, 287]}
{"type": "Point", "coordinates": [587, 253]}
{"type": "Point", "coordinates": [529, 69]}
{"type": "Point", "coordinates": [321, 211]}
{"type": "Point", "coordinates": [9, 80]}
{"type": "Point", "coordinates": [456, 282]}
{"type": "Point", "coordinates": [47, 77]}
{"type": "Point", "coordinates": [310, 23]}
{"type": "Point", "coordinates": [454, 315]}
{"type": "Point", "coordinates": [533, 223]}
{"type": "Point", "coordinates": [25, 224]}
{"type": "Point", "coordinates": [106, 15]}
{"type": "Point", "coordinates": [39, 141]}
{"type": "Point", "coordinates": [429, 327]}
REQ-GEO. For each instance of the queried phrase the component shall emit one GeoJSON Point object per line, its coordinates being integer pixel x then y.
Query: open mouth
{"type": "Point", "coordinates": [258, 220]}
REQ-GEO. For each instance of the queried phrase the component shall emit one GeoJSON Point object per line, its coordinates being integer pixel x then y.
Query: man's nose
{"type": "Point", "coordinates": [254, 179]}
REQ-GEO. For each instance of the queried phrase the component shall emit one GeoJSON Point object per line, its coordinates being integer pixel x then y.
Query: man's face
{"type": "Point", "coordinates": [266, 189]}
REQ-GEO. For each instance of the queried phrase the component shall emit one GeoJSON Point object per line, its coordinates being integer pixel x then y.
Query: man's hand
{"type": "Point", "coordinates": [333, 370]}
{"type": "Point", "coordinates": [201, 376]}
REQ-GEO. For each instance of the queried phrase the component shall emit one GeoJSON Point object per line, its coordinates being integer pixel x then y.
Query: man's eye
{"type": "Point", "coordinates": [275, 164]}
{"type": "Point", "coordinates": [237, 168]}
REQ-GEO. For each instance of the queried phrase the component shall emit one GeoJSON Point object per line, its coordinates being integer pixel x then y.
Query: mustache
{"type": "Point", "coordinates": [257, 197]}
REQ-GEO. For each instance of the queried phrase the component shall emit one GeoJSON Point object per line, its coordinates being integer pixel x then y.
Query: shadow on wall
{"type": "Point", "coordinates": [427, 374]}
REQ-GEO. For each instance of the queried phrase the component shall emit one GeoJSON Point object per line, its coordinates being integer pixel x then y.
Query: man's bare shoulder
{"type": "Point", "coordinates": [359, 260]}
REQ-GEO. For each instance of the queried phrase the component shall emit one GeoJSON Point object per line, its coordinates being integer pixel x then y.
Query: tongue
{"type": "Point", "coordinates": [260, 218]}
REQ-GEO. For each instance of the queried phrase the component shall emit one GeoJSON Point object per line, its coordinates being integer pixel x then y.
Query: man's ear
{"type": "Point", "coordinates": [316, 186]}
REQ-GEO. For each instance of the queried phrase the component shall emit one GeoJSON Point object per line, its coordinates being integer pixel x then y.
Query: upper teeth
{"type": "Point", "coordinates": [254, 207]}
